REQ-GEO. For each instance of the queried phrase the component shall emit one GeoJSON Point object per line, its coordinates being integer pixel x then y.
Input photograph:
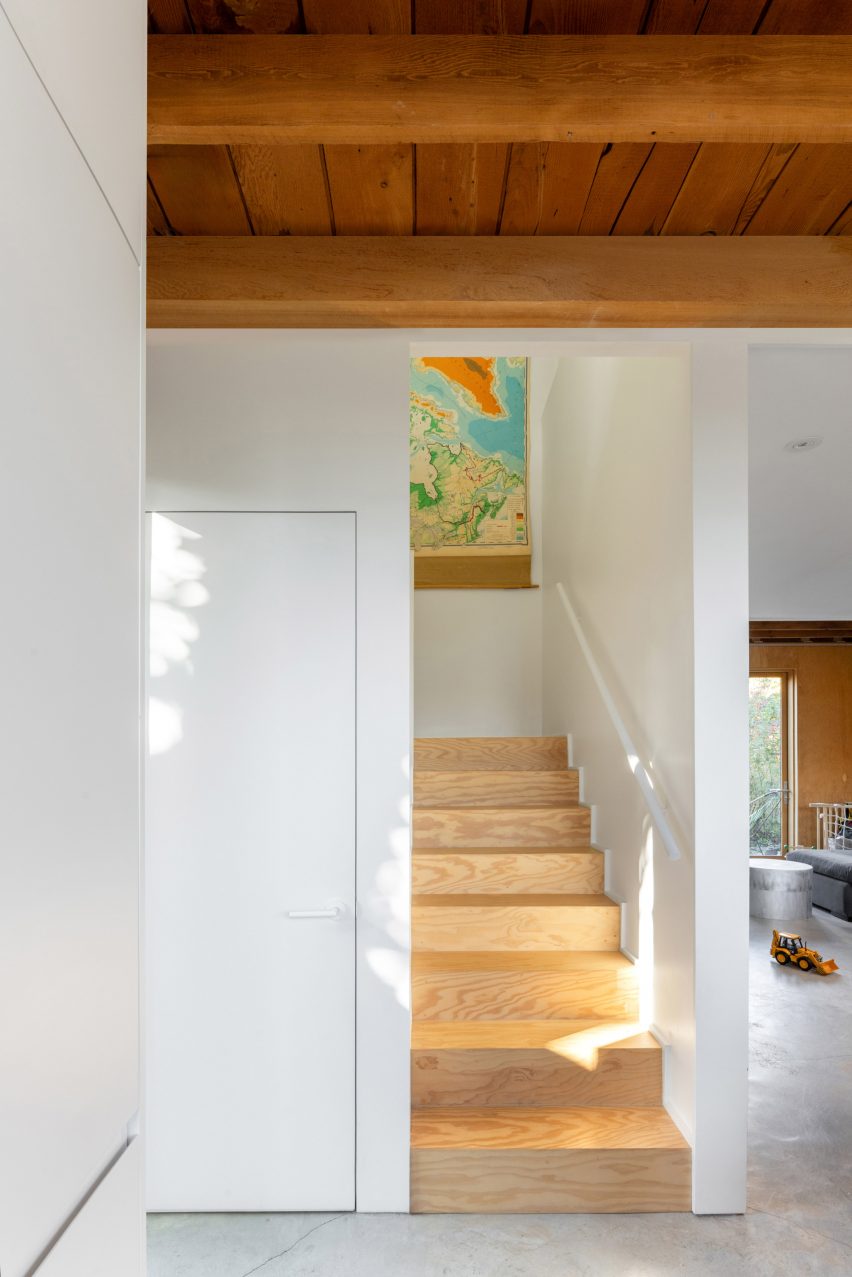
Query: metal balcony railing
{"type": "Point", "coordinates": [764, 824]}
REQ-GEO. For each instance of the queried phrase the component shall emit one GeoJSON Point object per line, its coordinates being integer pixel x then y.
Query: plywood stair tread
{"type": "Point", "coordinates": [502, 1035]}
{"type": "Point", "coordinates": [562, 963]}
{"type": "Point", "coordinates": [507, 870]}
{"type": "Point", "coordinates": [496, 788]}
{"type": "Point", "coordinates": [506, 825]}
{"type": "Point", "coordinates": [508, 851]}
{"type": "Point", "coordinates": [523, 811]}
{"type": "Point", "coordinates": [484, 753]}
{"type": "Point", "coordinates": [544, 1128]}
{"type": "Point", "coordinates": [470, 775]}
{"type": "Point", "coordinates": [456, 984]}
{"type": "Point", "coordinates": [557, 900]}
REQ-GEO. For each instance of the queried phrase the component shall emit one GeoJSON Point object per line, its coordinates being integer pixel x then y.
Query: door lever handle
{"type": "Point", "coordinates": [335, 910]}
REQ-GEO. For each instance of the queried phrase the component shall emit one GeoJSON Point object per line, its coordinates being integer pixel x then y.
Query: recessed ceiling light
{"type": "Point", "coordinates": [803, 445]}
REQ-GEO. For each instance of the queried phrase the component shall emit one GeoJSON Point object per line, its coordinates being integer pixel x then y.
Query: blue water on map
{"type": "Point", "coordinates": [503, 437]}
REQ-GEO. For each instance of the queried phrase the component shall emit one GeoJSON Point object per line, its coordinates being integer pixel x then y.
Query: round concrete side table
{"type": "Point", "coordinates": [779, 889]}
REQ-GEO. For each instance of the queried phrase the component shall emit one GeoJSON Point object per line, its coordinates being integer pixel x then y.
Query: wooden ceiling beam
{"type": "Point", "coordinates": [391, 89]}
{"type": "Point", "coordinates": [489, 281]}
{"type": "Point", "coordinates": [784, 632]}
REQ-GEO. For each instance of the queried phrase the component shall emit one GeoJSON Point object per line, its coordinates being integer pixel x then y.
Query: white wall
{"type": "Point", "coordinates": [317, 421]}
{"type": "Point", "coordinates": [800, 512]}
{"type": "Point", "coordinates": [645, 525]}
{"type": "Point", "coordinates": [617, 535]}
{"type": "Point", "coordinates": [720, 619]}
{"type": "Point", "coordinates": [70, 361]}
{"type": "Point", "coordinates": [477, 663]}
{"type": "Point", "coordinates": [106, 1238]}
{"type": "Point", "coordinates": [477, 653]}
{"type": "Point", "coordinates": [92, 60]}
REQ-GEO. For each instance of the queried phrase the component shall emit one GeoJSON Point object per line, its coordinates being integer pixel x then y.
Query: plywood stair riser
{"type": "Point", "coordinates": [547, 1159]}
{"type": "Point", "coordinates": [535, 1087]}
{"type": "Point", "coordinates": [496, 789]}
{"type": "Point", "coordinates": [560, 923]}
{"type": "Point", "coordinates": [513, 870]}
{"type": "Point", "coordinates": [622, 1074]}
{"type": "Point", "coordinates": [501, 827]}
{"type": "Point", "coordinates": [533, 1181]}
{"type": "Point", "coordinates": [537, 986]}
{"type": "Point", "coordinates": [491, 753]}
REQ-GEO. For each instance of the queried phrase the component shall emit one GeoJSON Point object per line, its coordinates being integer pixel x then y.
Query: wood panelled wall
{"type": "Point", "coordinates": [824, 738]}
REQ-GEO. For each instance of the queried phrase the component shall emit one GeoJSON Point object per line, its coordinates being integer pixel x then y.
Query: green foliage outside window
{"type": "Point", "coordinates": [765, 746]}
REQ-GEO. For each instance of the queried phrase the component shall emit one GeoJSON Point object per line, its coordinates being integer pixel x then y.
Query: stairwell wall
{"type": "Point", "coordinates": [477, 653]}
{"type": "Point", "coordinates": [617, 535]}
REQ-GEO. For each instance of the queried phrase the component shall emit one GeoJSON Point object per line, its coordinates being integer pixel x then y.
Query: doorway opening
{"type": "Point", "coordinates": [771, 815]}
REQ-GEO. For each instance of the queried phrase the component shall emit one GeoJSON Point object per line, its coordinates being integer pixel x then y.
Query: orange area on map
{"type": "Point", "coordinates": [476, 375]}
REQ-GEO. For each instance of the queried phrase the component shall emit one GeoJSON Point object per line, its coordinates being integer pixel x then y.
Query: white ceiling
{"type": "Point", "coordinates": [800, 539]}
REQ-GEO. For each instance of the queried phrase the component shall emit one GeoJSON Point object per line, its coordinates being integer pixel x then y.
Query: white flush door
{"type": "Point", "coordinates": [250, 875]}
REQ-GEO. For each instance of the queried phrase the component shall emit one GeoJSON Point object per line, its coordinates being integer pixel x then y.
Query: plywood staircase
{"type": "Point", "coordinates": [534, 1087]}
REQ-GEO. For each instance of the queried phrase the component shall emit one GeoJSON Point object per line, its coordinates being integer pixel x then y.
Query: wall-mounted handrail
{"type": "Point", "coordinates": [642, 778]}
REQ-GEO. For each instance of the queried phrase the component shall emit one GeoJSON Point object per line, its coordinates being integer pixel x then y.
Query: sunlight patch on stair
{"type": "Point", "coordinates": [582, 1047]}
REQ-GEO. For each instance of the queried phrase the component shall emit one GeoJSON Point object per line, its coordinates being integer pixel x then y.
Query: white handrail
{"type": "Point", "coordinates": [643, 780]}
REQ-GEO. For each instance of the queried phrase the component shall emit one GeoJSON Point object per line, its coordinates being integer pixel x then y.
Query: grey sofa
{"type": "Point", "coordinates": [832, 879]}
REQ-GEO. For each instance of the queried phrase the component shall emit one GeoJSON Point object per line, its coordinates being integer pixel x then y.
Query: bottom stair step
{"type": "Point", "coordinates": [535, 1160]}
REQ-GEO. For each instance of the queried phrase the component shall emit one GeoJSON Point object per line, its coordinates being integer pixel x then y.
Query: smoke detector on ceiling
{"type": "Point", "coordinates": [803, 445]}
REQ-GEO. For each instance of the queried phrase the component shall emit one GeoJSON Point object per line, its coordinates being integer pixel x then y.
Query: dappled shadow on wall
{"type": "Point", "coordinates": [176, 590]}
{"type": "Point", "coordinates": [386, 904]}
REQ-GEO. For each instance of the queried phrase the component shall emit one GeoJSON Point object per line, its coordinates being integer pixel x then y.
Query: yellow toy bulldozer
{"type": "Point", "coordinates": [788, 947]}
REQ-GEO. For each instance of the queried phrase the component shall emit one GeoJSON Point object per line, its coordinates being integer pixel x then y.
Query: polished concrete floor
{"type": "Point", "coordinates": [800, 1181]}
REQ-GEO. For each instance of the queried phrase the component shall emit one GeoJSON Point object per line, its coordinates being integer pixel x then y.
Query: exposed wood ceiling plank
{"type": "Point", "coordinates": [284, 188]}
{"type": "Point", "coordinates": [715, 189]}
{"type": "Point", "coordinates": [674, 17]}
{"type": "Point", "coordinates": [809, 196]}
{"type": "Point", "coordinates": [655, 190]}
{"type": "Point", "coordinates": [246, 17]}
{"type": "Point", "coordinates": [618, 168]}
{"type": "Point", "coordinates": [732, 17]}
{"type": "Point", "coordinates": [498, 281]}
{"type": "Point", "coordinates": [808, 17]}
{"type": "Point", "coordinates": [372, 189]}
{"type": "Point", "coordinates": [168, 17]}
{"type": "Point", "coordinates": [459, 189]}
{"type": "Point", "coordinates": [382, 89]}
{"type": "Point", "coordinates": [470, 17]}
{"type": "Point", "coordinates": [496, 17]}
{"type": "Point", "coordinates": [348, 17]}
{"type": "Point", "coordinates": [586, 17]}
{"type": "Point", "coordinates": [198, 190]}
{"type": "Point", "coordinates": [157, 224]}
{"type": "Point", "coordinates": [704, 17]}
{"type": "Point", "coordinates": [548, 187]}
{"type": "Point", "coordinates": [800, 632]}
{"type": "Point", "coordinates": [777, 157]}
{"type": "Point", "coordinates": [843, 225]}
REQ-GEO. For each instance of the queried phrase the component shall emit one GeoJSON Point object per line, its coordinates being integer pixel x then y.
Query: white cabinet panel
{"type": "Point", "coordinates": [92, 57]}
{"type": "Point", "coordinates": [250, 1091]}
{"type": "Point", "coordinates": [105, 1239]}
{"type": "Point", "coordinates": [69, 675]}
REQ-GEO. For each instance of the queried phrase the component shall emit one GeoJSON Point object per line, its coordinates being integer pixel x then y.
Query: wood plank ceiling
{"type": "Point", "coordinates": [491, 189]}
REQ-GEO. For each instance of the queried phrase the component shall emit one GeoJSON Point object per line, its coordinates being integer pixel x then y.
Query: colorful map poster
{"type": "Point", "coordinates": [468, 440]}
